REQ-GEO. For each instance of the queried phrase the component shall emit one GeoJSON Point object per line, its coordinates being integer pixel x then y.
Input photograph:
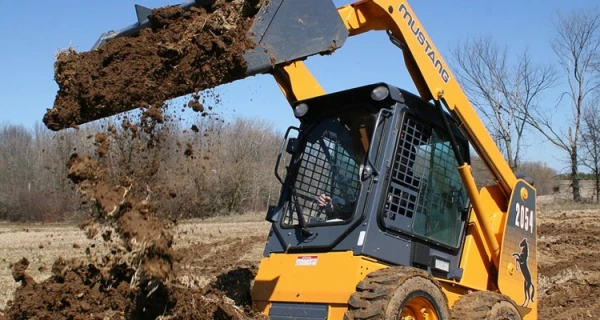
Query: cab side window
{"type": "Point", "coordinates": [442, 196]}
{"type": "Point", "coordinates": [426, 196]}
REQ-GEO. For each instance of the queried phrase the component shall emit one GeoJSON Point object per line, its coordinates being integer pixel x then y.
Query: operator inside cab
{"type": "Point", "coordinates": [353, 133]}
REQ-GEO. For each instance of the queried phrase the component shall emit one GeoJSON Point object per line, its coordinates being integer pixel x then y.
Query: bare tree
{"type": "Point", "coordinates": [576, 42]}
{"type": "Point", "coordinates": [210, 169]}
{"type": "Point", "coordinates": [590, 142]}
{"type": "Point", "coordinates": [247, 153]}
{"type": "Point", "coordinates": [504, 93]}
{"type": "Point", "coordinates": [16, 168]}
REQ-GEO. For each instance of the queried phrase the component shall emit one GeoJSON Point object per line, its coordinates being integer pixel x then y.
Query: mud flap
{"type": "Point", "coordinates": [287, 30]}
{"type": "Point", "coordinates": [517, 274]}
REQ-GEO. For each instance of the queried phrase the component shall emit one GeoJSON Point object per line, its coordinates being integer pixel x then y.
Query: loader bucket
{"type": "Point", "coordinates": [112, 79]}
{"type": "Point", "coordinates": [283, 31]}
{"type": "Point", "coordinates": [288, 30]}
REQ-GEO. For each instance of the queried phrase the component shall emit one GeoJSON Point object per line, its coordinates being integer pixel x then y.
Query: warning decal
{"type": "Point", "coordinates": [306, 260]}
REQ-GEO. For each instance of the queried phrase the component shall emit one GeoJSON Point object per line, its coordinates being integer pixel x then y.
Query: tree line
{"type": "Point", "coordinates": [199, 170]}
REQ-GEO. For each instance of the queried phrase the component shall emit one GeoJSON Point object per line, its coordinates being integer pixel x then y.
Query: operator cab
{"type": "Point", "coordinates": [372, 170]}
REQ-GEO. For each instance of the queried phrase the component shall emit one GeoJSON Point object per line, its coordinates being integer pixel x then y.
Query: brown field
{"type": "Point", "coordinates": [569, 267]}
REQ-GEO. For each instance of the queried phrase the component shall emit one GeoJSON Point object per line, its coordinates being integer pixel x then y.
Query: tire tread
{"type": "Point", "coordinates": [373, 293]}
{"type": "Point", "coordinates": [479, 305]}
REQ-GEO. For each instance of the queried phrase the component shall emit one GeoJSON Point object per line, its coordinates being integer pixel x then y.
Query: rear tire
{"type": "Point", "coordinates": [485, 305]}
{"type": "Point", "coordinates": [398, 292]}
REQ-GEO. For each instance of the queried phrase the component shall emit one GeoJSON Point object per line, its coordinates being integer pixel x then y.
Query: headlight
{"type": "Point", "coordinates": [300, 110]}
{"type": "Point", "coordinates": [380, 93]}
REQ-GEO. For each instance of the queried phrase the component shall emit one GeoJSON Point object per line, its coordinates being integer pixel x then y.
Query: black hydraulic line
{"type": "Point", "coordinates": [284, 77]}
{"type": "Point", "coordinates": [457, 153]}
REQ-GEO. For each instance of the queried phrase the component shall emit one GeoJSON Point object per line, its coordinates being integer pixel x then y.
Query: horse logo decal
{"type": "Point", "coordinates": [522, 261]}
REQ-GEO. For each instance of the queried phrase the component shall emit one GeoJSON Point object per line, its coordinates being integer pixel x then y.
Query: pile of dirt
{"type": "Point", "coordinates": [183, 52]}
{"type": "Point", "coordinates": [79, 290]}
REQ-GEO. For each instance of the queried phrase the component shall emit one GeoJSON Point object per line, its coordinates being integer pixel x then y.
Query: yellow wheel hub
{"type": "Point", "coordinates": [418, 309]}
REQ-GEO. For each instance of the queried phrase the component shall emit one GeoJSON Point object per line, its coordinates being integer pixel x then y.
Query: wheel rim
{"type": "Point", "coordinates": [418, 308]}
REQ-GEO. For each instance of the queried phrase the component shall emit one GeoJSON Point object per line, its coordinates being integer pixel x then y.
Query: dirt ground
{"type": "Point", "coordinates": [224, 253]}
{"type": "Point", "coordinates": [569, 264]}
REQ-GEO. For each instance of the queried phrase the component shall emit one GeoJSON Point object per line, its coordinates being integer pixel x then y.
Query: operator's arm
{"type": "Point", "coordinates": [336, 204]}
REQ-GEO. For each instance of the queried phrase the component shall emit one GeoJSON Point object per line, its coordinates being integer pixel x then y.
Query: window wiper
{"type": "Point", "coordinates": [294, 201]}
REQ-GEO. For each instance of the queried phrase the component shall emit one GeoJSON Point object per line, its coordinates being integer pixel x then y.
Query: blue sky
{"type": "Point", "coordinates": [32, 31]}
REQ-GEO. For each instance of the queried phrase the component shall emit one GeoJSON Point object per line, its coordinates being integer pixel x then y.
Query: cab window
{"type": "Point", "coordinates": [426, 196]}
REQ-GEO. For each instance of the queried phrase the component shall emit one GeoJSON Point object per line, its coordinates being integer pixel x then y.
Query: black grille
{"type": "Point", "coordinates": [325, 168]}
{"type": "Point", "coordinates": [407, 172]}
{"type": "Point", "coordinates": [425, 195]}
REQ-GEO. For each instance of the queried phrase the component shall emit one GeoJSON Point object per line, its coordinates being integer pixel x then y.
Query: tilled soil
{"type": "Point", "coordinates": [183, 52]}
{"type": "Point", "coordinates": [569, 265]}
{"type": "Point", "coordinates": [210, 270]}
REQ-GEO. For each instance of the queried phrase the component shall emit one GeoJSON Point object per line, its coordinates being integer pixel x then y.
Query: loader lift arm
{"type": "Point", "coordinates": [433, 80]}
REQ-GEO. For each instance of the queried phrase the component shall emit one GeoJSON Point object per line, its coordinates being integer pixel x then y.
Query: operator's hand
{"type": "Point", "coordinates": [324, 201]}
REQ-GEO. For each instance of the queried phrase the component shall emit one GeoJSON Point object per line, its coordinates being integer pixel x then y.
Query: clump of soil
{"type": "Point", "coordinates": [196, 105]}
{"type": "Point", "coordinates": [101, 142]}
{"type": "Point", "coordinates": [183, 52]}
{"type": "Point", "coordinates": [18, 273]}
{"type": "Point", "coordinates": [189, 150]}
{"type": "Point", "coordinates": [81, 168]}
{"type": "Point", "coordinates": [128, 126]}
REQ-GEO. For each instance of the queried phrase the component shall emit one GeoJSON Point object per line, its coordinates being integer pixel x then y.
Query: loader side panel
{"type": "Point", "coordinates": [321, 281]}
{"type": "Point", "coordinates": [517, 274]}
